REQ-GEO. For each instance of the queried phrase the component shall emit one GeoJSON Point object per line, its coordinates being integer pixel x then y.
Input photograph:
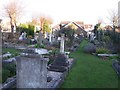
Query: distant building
{"type": "Point", "coordinates": [78, 26]}
{"type": "Point", "coordinates": [108, 27]}
{"type": "Point", "coordinates": [119, 13]}
{"type": "Point", "coordinates": [88, 27]}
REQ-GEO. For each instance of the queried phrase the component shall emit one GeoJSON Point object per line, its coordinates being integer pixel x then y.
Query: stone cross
{"type": "Point", "coordinates": [31, 71]}
{"type": "Point", "coordinates": [62, 44]}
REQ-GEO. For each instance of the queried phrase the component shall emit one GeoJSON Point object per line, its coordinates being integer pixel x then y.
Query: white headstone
{"type": "Point", "coordinates": [62, 44]}
{"type": "Point", "coordinates": [50, 37]}
{"type": "Point", "coordinates": [21, 36]}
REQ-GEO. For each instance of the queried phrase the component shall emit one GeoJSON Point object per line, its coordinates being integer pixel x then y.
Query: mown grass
{"type": "Point", "coordinates": [11, 50]}
{"type": "Point", "coordinates": [89, 71]}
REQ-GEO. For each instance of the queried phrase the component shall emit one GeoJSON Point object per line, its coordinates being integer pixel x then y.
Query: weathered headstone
{"type": "Point", "coordinates": [60, 64]}
{"type": "Point", "coordinates": [40, 38]}
{"type": "Point", "coordinates": [91, 37]}
{"type": "Point", "coordinates": [31, 71]}
{"type": "Point", "coordinates": [62, 44]}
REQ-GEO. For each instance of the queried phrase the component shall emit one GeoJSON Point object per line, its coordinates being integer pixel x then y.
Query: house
{"type": "Point", "coordinates": [108, 27]}
{"type": "Point", "coordinates": [117, 29]}
{"type": "Point", "coordinates": [78, 26]}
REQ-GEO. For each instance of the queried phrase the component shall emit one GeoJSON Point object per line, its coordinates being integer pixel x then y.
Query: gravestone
{"type": "Point", "coordinates": [60, 64]}
{"type": "Point", "coordinates": [50, 38]}
{"type": "Point", "coordinates": [31, 71]}
{"type": "Point", "coordinates": [91, 37]}
{"type": "Point", "coordinates": [62, 44]}
{"type": "Point", "coordinates": [22, 36]}
{"type": "Point", "coordinates": [40, 38]}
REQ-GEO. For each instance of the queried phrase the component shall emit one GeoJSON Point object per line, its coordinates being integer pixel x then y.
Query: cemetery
{"type": "Point", "coordinates": [71, 54]}
{"type": "Point", "coordinates": [55, 64]}
{"type": "Point", "coordinates": [51, 65]}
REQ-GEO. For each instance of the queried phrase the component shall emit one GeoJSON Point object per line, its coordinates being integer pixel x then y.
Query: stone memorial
{"type": "Point", "coordinates": [40, 38]}
{"type": "Point", "coordinates": [62, 44]}
{"type": "Point", "coordinates": [92, 37]}
{"type": "Point", "coordinates": [60, 64]}
{"type": "Point", "coordinates": [50, 38]}
{"type": "Point", "coordinates": [31, 71]}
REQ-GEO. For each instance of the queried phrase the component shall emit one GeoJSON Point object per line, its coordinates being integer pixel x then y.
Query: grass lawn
{"type": "Point", "coordinates": [11, 50]}
{"type": "Point", "coordinates": [90, 72]}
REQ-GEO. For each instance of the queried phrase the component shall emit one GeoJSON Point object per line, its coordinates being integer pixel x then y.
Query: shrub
{"type": "Point", "coordinates": [5, 75]}
{"type": "Point", "coordinates": [118, 58]}
{"type": "Point", "coordinates": [106, 39]}
{"type": "Point", "coordinates": [29, 29]}
{"type": "Point", "coordinates": [102, 50]}
{"type": "Point", "coordinates": [42, 46]}
{"type": "Point", "coordinates": [11, 68]}
{"type": "Point", "coordinates": [39, 46]}
{"type": "Point", "coordinates": [89, 48]}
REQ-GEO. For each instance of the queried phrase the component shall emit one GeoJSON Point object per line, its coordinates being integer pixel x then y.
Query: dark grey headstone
{"type": "Point", "coordinates": [60, 64]}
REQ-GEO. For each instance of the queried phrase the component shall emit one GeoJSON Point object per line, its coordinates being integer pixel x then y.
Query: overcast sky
{"type": "Point", "coordinates": [88, 11]}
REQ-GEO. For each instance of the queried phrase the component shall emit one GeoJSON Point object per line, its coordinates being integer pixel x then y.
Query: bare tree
{"type": "Point", "coordinates": [113, 17]}
{"type": "Point", "coordinates": [13, 10]}
{"type": "Point", "coordinates": [45, 22]}
{"type": "Point", "coordinates": [41, 19]}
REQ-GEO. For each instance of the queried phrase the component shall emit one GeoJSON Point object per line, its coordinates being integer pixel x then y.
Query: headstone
{"type": "Point", "coordinates": [40, 38]}
{"type": "Point", "coordinates": [91, 37]}
{"type": "Point", "coordinates": [62, 44]}
{"type": "Point", "coordinates": [31, 71]}
{"type": "Point", "coordinates": [24, 35]}
{"type": "Point", "coordinates": [50, 38]}
{"type": "Point", "coordinates": [60, 64]}
{"type": "Point", "coordinates": [21, 36]}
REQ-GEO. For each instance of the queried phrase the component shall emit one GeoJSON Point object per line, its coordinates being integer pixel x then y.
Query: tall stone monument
{"type": "Point", "coordinates": [31, 71]}
{"type": "Point", "coordinates": [62, 44]}
{"type": "Point", "coordinates": [40, 38]}
{"type": "Point", "coordinates": [50, 38]}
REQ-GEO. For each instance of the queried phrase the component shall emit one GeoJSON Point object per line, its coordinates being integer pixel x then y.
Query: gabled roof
{"type": "Point", "coordinates": [76, 24]}
{"type": "Point", "coordinates": [64, 24]}
{"type": "Point", "coordinates": [108, 27]}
